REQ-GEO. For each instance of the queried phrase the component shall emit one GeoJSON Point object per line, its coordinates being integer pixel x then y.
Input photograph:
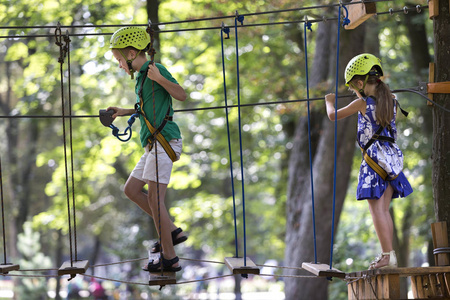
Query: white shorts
{"type": "Point", "coordinates": [145, 169]}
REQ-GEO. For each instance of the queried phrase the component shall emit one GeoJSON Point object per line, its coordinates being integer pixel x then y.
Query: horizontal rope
{"type": "Point", "coordinates": [323, 19]}
{"type": "Point", "coordinates": [177, 110]}
{"type": "Point", "coordinates": [194, 20]}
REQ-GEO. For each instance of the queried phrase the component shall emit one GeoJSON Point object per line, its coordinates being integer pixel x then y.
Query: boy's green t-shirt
{"type": "Point", "coordinates": [163, 101]}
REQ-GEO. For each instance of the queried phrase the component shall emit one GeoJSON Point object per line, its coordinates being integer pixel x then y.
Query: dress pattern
{"type": "Point", "coordinates": [386, 154]}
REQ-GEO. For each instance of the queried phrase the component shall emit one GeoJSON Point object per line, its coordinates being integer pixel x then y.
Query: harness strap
{"type": "Point", "coordinates": [156, 131]}
{"type": "Point", "coordinates": [374, 165]}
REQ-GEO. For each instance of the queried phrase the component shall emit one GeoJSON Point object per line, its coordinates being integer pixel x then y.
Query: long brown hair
{"type": "Point", "coordinates": [384, 110]}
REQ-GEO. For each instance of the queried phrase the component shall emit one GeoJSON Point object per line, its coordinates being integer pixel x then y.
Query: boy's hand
{"type": "Point", "coordinates": [116, 111]}
{"type": "Point", "coordinates": [153, 72]}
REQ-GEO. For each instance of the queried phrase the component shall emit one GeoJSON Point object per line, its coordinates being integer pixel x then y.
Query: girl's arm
{"type": "Point", "coordinates": [356, 105]}
{"type": "Point", "coordinates": [175, 90]}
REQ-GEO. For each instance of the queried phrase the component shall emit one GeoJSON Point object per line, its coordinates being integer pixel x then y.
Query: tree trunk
{"type": "Point", "coordinates": [299, 227]}
{"type": "Point", "coordinates": [441, 119]}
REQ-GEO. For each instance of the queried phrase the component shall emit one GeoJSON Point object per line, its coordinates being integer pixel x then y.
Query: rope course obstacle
{"type": "Point", "coordinates": [356, 13]}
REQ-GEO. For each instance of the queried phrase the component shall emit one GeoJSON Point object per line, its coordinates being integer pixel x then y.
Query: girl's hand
{"type": "Point", "coordinates": [330, 98]}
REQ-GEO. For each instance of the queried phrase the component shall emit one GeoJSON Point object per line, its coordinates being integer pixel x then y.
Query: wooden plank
{"type": "Point", "coordinates": [433, 8]}
{"type": "Point", "coordinates": [440, 239]}
{"type": "Point", "coordinates": [237, 265]}
{"type": "Point", "coordinates": [360, 12]}
{"type": "Point", "coordinates": [439, 87]}
{"type": "Point", "coordinates": [447, 283]}
{"type": "Point", "coordinates": [162, 279]}
{"type": "Point", "coordinates": [375, 287]}
{"type": "Point", "coordinates": [77, 267]}
{"type": "Point", "coordinates": [434, 288]}
{"type": "Point", "coordinates": [322, 270]}
{"type": "Point", "coordinates": [5, 268]}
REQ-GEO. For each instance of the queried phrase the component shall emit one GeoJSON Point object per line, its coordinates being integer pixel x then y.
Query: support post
{"type": "Point", "coordinates": [440, 241]}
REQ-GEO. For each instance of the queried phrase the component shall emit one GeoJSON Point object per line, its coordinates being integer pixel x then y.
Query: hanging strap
{"type": "Point", "coordinates": [373, 164]}
{"type": "Point", "coordinates": [156, 131]}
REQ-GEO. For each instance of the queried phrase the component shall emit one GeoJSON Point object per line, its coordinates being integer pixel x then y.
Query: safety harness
{"type": "Point", "coordinates": [376, 136]}
{"type": "Point", "coordinates": [155, 132]}
{"type": "Point", "coordinates": [373, 164]}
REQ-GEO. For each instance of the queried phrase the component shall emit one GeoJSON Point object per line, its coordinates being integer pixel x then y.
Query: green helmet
{"type": "Point", "coordinates": [132, 36]}
{"type": "Point", "coordinates": [361, 65]}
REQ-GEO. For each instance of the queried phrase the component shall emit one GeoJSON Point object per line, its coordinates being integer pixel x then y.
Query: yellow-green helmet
{"type": "Point", "coordinates": [132, 36]}
{"type": "Point", "coordinates": [361, 65]}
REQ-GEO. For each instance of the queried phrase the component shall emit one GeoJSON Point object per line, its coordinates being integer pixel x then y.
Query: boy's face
{"type": "Point", "coordinates": [122, 61]}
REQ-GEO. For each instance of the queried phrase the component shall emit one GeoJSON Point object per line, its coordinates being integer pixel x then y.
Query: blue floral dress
{"type": "Point", "coordinates": [370, 184]}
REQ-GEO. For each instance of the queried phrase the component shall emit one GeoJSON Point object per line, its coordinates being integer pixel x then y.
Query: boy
{"type": "Point", "coordinates": [155, 88]}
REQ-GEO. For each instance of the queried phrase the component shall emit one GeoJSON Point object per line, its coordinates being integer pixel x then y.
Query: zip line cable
{"type": "Point", "coordinates": [404, 10]}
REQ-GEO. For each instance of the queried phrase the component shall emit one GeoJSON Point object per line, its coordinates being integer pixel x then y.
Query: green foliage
{"type": "Point", "coordinates": [30, 247]}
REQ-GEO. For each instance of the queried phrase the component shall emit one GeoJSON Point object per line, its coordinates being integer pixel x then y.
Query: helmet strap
{"type": "Point", "coordinates": [129, 62]}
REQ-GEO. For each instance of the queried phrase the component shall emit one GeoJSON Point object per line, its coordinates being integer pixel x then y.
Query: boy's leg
{"type": "Point", "coordinates": [166, 224]}
{"type": "Point", "coordinates": [133, 190]}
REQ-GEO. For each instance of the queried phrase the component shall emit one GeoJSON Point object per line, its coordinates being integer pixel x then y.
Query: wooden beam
{"type": "Point", "coordinates": [5, 268]}
{"type": "Point", "coordinates": [433, 8]}
{"type": "Point", "coordinates": [430, 80]}
{"type": "Point", "coordinates": [322, 270]}
{"type": "Point", "coordinates": [237, 265]}
{"type": "Point", "coordinates": [360, 12]}
{"type": "Point", "coordinates": [73, 268]}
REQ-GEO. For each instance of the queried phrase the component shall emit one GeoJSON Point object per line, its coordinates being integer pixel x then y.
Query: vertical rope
{"type": "Point", "coordinates": [67, 40]}
{"type": "Point", "coordinates": [151, 52]}
{"type": "Point", "coordinates": [62, 54]}
{"type": "Point", "coordinates": [307, 25]}
{"type": "Point", "coordinates": [335, 136]}
{"type": "Point", "coordinates": [227, 31]}
{"type": "Point", "coordinates": [240, 19]}
{"type": "Point", "coordinates": [3, 215]}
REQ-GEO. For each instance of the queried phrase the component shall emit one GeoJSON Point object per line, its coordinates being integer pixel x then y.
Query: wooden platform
{"type": "Point", "coordinates": [5, 268]}
{"type": "Point", "coordinates": [72, 269]}
{"type": "Point", "coordinates": [237, 265]}
{"type": "Point", "coordinates": [322, 270]}
{"type": "Point", "coordinates": [426, 283]}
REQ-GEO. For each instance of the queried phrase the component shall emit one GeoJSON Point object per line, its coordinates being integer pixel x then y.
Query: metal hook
{"type": "Point", "coordinates": [391, 11]}
{"type": "Point", "coordinates": [418, 8]}
{"type": "Point", "coordinates": [405, 10]}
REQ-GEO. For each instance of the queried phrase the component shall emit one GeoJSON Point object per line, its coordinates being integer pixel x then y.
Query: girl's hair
{"type": "Point", "coordinates": [384, 110]}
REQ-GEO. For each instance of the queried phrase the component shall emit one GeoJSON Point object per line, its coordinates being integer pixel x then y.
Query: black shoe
{"type": "Point", "coordinates": [157, 247]}
{"type": "Point", "coordinates": [167, 265]}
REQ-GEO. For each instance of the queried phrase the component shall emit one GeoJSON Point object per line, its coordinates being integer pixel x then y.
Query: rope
{"type": "Point", "coordinates": [335, 138]}
{"type": "Point", "coordinates": [196, 20]}
{"type": "Point", "coordinates": [240, 18]}
{"type": "Point", "coordinates": [227, 32]}
{"type": "Point", "coordinates": [62, 55]}
{"type": "Point", "coordinates": [3, 215]}
{"type": "Point", "coordinates": [323, 19]}
{"type": "Point", "coordinates": [308, 26]}
{"type": "Point", "coordinates": [67, 41]}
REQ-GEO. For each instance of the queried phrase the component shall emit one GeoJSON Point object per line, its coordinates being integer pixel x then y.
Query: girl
{"type": "Point", "coordinates": [380, 175]}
